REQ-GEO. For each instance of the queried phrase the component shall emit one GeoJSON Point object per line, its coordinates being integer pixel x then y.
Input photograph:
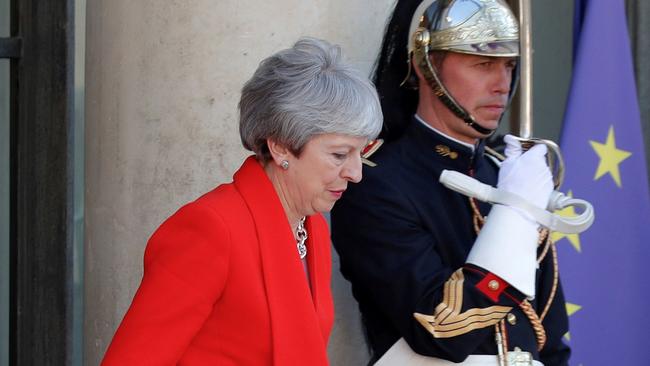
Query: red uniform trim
{"type": "Point", "coordinates": [492, 286]}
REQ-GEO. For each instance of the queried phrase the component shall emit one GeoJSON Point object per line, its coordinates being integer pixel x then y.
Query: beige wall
{"type": "Point", "coordinates": [163, 80]}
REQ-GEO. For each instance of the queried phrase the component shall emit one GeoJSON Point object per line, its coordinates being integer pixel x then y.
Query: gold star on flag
{"type": "Point", "coordinates": [570, 310]}
{"type": "Point", "coordinates": [610, 157]}
{"type": "Point", "coordinates": [574, 239]}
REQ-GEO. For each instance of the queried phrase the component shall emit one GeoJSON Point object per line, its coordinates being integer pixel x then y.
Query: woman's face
{"type": "Point", "coordinates": [320, 176]}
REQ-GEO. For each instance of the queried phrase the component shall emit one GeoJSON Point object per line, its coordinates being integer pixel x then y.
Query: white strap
{"type": "Point", "coordinates": [400, 354]}
{"type": "Point", "coordinates": [471, 187]}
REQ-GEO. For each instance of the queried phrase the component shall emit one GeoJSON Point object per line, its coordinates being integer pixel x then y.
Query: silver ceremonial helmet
{"type": "Point", "coordinates": [478, 27]}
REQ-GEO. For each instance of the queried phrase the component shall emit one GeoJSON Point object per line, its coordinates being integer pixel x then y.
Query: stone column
{"type": "Point", "coordinates": [162, 83]}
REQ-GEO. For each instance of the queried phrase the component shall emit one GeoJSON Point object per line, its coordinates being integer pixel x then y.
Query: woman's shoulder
{"type": "Point", "coordinates": [192, 220]}
{"type": "Point", "coordinates": [216, 211]}
{"type": "Point", "coordinates": [206, 216]}
{"type": "Point", "coordinates": [220, 199]}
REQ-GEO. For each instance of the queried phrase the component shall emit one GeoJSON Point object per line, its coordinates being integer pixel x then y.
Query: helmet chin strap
{"type": "Point", "coordinates": [421, 54]}
{"type": "Point", "coordinates": [461, 113]}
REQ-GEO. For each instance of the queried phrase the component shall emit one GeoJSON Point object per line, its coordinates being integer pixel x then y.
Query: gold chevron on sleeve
{"type": "Point", "coordinates": [447, 320]}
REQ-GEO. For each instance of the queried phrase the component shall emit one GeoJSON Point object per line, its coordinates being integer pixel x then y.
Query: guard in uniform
{"type": "Point", "coordinates": [436, 279]}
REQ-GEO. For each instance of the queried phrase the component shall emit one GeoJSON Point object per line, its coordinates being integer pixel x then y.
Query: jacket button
{"type": "Point", "coordinates": [511, 318]}
{"type": "Point", "coordinates": [493, 285]}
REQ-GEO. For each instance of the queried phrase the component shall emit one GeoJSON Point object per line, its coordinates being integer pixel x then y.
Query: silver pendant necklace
{"type": "Point", "coordinates": [301, 237]}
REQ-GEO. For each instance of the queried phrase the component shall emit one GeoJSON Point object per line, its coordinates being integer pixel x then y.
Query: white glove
{"type": "Point", "coordinates": [507, 243]}
{"type": "Point", "coordinates": [527, 174]}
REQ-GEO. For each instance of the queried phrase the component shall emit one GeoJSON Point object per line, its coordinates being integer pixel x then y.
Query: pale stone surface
{"type": "Point", "coordinates": [163, 81]}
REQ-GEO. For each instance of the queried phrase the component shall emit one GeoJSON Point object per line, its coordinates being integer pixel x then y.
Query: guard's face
{"type": "Point", "coordinates": [480, 84]}
{"type": "Point", "coordinates": [321, 174]}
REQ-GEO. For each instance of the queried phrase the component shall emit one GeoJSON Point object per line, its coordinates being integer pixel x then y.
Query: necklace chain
{"type": "Point", "coordinates": [301, 237]}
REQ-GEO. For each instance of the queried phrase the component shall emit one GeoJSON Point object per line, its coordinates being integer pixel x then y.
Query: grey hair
{"type": "Point", "coordinates": [304, 91]}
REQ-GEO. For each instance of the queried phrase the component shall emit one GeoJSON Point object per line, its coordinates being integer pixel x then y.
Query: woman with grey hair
{"type": "Point", "coordinates": [241, 276]}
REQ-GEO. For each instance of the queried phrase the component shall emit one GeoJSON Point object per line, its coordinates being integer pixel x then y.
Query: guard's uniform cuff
{"type": "Point", "coordinates": [507, 247]}
{"type": "Point", "coordinates": [494, 287]}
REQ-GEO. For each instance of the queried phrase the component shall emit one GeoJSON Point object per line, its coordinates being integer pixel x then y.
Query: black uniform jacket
{"type": "Point", "coordinates": [403, 238]}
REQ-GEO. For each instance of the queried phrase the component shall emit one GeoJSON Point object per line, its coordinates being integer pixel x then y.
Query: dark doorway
{"type": "Point", "coordinates": [37, 190]}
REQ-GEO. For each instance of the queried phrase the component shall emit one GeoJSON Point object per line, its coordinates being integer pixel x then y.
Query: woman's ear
{"type": "Point", "coordinates": [278, 151]}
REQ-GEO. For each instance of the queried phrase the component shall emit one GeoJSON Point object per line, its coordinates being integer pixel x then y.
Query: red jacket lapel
{"type": "Point", "coordinates": [319, 264]}
{"type": "Point", "coordinates": [298, 334]}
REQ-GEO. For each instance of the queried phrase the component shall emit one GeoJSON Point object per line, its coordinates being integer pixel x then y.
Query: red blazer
{"type": "Point", "coordinates": [223, 285]}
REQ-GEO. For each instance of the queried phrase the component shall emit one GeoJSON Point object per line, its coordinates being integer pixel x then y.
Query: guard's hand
{"type": "Point", "coordinates": [526, 173]}
{"type": "Point", "coordinates": [507, 243]}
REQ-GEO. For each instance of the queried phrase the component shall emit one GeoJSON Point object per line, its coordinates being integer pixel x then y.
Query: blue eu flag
{"type": "Point", "coordinates": [603, 269]}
